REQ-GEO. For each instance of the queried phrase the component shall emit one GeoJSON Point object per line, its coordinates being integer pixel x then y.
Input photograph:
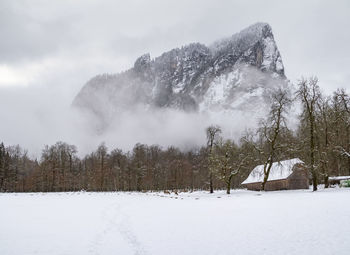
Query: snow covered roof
{"type": "Point", "coordinates": [338, 178]}
{"type": "Point", "coordinates": [279, 170]}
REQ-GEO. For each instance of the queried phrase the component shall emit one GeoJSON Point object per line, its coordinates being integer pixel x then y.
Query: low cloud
{"type": "Point", "coordinates": [35, 116]}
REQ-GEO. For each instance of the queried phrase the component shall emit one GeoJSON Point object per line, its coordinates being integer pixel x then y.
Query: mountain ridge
{"type": "Point", "coordinates": [193, 78]}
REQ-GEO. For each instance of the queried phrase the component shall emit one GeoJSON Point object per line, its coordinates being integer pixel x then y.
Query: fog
{"type": "Point", "coordinates": [50, 49]}
{"type": "Point", "coordinates": [40, 116]}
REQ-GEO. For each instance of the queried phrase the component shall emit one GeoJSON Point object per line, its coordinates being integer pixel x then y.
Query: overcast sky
{"type": "Point", "coordinates": [49, 49]}
{"type": "Point", "coordinates": [66, 42]}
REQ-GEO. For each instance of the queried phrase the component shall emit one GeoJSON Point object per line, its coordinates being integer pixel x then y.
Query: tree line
{"type": "Point", "coordinates": [321, 140]}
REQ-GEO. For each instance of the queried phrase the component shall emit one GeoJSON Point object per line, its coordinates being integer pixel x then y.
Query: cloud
{"type": "Point", "coordinates": [35, 116]}
{"type": "Point", "coordinates": [310, 34]}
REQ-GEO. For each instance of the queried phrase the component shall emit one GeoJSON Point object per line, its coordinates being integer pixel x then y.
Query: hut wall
{"type": "Point", "coordinates": [299, 179]}
{"type": "Point", "coordinates": [269, 186]}
{"type": "Point", "coordinates": [254, 186]}
{"type": "Point", "coordinates": [276, 185]}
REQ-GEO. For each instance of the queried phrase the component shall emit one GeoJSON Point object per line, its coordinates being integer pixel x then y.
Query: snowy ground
{"type": "Point", "coordinates": [284, 222]}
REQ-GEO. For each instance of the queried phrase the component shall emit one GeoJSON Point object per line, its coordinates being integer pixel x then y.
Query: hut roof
{"type": "Point", "coordinates": [339, 178]}
{"type": "Point", "coordinates": [279, 171]}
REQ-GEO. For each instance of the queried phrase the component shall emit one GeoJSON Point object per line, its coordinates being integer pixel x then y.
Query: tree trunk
{"type": "Point", "coordinates": [53, 181]}
{"type": "Point", "coordinates": [228, 185]}
{"type": "Point", "coordinates": [326, 183]}
{"type": "Point", "coordinates": [211, 183]}
{"type": "Point", "coordinates": [266, 174]}
{"type": "Point", "coordinates": [312, 155]}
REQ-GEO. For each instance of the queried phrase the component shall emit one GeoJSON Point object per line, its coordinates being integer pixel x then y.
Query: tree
{"type": "Point", "coordinates": [118, 163]}
{"type": "Point", "coordinates": [269, 143]}
{"type": "Point", "coordinates": [139, 164]}
{"type": "Point", "coordinates": [323, 136]}
{"type": "Point", "coordinates": [213, 133]}
{"type": "Point", "coordinates": [57, 166]}
{"type": "Point", "coordinates": [309, 94]}
{"type": "Point", "coordinates": [102, 159]}
{"type": "Point", "coordinates": [227, 161]}
{"type": "Point", "coordinates": [342, 105]}
{"type": "Point", "coordinates": [2, 165]}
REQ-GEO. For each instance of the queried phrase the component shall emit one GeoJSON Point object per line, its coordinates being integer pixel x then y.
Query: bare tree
{"type": "Point", "coordinates": [309, 93]}
{"type": "Point", "coordinates": [213, 133]}
{"type": "Point", "coordinates": [227, 162]}
{"type": "Point", "coordinates": [323, 136]}
{"type": "Point", "coordinates": [343, 102]}
{"type": "Point", "coordinates": [272, 128]}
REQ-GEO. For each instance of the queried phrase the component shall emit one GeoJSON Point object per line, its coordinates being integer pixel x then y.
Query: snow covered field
{"type": "Point", "coordinates": [245, 222]}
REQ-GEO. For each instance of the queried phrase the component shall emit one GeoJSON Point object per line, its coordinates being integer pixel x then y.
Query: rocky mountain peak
{"type": "Point", "coordinates": [254, 45]}
{"type": "Point", "coordinates": [194, 77]}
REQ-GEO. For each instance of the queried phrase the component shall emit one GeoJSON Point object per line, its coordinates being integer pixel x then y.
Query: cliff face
{"type": "Point", "coordinates": [236, 73]}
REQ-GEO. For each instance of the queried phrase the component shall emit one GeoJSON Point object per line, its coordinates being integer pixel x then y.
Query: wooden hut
{"type": "Point", "coordinates": [286, 174]}
{"type": "Point", "coordinates": [337, 179]}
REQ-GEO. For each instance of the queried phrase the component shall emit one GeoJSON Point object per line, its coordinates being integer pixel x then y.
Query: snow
{"type": "Point", "coordinates": [178, 87]}
{"type": "Point", "coordinates": [279, 170]}
{"type": "Point", "coordinates": [219, 90]}
{"type": "Point", "coordinates": [248, 36]}
{"type": "Point", "coordinates": [271, 55]}
{"type": "Point", "coordinates": [270, 52]}
{"type": "Point", "coordinates": [245, 222]}
{"type": "Point", "coordinates": [339, 178]}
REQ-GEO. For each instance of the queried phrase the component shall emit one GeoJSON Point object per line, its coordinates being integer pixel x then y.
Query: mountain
{"type": "Point", "coordinates": [237, 73]}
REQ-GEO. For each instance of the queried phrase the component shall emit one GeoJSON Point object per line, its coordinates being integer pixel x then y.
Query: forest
{"type": "Point", "coordinates": [321, 140]}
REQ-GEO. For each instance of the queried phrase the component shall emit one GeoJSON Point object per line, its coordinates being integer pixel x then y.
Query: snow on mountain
{"type": "Point", "coordinates": [235, 74]}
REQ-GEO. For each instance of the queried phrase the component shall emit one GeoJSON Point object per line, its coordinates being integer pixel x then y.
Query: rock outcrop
{"type": "Point", "coordinates": [236, 73]}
